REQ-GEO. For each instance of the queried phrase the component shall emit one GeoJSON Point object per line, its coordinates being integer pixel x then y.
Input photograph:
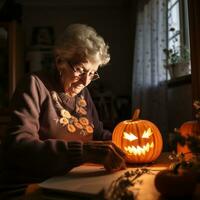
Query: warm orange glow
{"type": "Point", "coordinates": [140, 140]}
{"type": "Point", "coordinates": [139, 150]}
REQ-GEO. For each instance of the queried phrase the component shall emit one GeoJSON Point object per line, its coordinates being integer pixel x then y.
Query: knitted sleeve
{"type": "Point", "coordinates": [23, 150]}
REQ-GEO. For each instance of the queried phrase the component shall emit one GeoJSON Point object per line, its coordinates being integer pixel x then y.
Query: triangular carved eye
{"type": "Point", "coordinates": [147, 133]}
{"type": "Point", "coordinates": [130, 136]}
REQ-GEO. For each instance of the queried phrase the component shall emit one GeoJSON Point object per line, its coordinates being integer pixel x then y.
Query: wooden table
{"type": "Point", "coordinates": [35, 192]}
{"type": "Point", "coordinates": [145, 191]}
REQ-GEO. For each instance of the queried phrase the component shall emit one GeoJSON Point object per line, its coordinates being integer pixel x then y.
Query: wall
{"type": "Point", "coordinates": [179, 104]}
{"type": "Point", "coordinates": [194, 19]}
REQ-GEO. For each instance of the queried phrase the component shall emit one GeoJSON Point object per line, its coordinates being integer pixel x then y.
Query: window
{"type": "Point", "coordinates": [178, 34]}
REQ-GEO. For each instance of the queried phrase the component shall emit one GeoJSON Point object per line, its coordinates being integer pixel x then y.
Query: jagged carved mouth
{"type": "Point", "coordinates": [132, 150]}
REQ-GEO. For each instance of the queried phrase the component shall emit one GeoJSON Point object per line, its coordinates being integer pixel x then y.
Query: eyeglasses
{"type": "Point", "coordinates": [80, 72]}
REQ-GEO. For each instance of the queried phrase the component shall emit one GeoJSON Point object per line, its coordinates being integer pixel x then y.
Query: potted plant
{"type": "Point", "coordinates": [177, 59]}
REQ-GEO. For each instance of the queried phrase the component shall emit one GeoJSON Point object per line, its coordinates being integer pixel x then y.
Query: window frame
{"type": "Point", "coordinates": [183, 33]}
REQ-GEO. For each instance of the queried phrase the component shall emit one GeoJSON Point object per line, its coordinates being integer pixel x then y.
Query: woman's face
{"type": "Point", "coordinates": [74, 77]}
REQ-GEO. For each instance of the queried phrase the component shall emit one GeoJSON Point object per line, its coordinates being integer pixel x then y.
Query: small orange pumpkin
{"type": "Point", "coordinates": [139, 139]}
{"type": "Point", "coordinates": [189, 128]}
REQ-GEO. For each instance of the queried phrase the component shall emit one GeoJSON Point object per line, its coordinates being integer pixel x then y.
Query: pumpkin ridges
{"type": "Point", "coordinates": [115, 137]}
{"type": "Point", "coordinates": [149, 155]}
{"type": "Point", "coordinates": [152, 155]}
{"type": "Point", "coordinates": [146, 126]}
{"type": "Point", "coordinates": [138, 130]}
{"type": "Point", "coordinates": [125, 128]}
{"type": "Point", "coordinates": [159, 140]}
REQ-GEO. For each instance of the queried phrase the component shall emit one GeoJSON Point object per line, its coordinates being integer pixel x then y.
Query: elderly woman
{"type": "Point", "coordinates": [54, 121]}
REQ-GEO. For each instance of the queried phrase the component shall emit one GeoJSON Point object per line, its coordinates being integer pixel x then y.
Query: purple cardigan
{"type": "Point", "coordinates": [35, 146]}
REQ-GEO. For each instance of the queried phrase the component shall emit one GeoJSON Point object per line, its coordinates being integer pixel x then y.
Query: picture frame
{"type": "Point", "coordinates": [40, 54]}
{"type": "Point", "coordinates": [43, 35]}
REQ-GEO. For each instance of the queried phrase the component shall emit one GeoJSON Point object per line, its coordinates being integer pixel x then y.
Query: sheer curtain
{"type": "Point", "coordinates": [149, 75]}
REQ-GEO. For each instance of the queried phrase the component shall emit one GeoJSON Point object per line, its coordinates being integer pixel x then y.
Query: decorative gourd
{"type": "Point", "coordinates": [139, 139]}
{"type": "Point", "coordinates": [175, 185]}
{"type": "Point", "coordinates": [190, 128]}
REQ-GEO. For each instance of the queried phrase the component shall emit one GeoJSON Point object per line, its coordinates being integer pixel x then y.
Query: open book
{"type": "Point", "coordinates": [90, 182]}
{"type": "Point", "coordinates": [85, 181]}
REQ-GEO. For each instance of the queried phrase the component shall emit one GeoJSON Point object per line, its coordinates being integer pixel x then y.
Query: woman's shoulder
{"type": "Point", "coordinates": [28, 80]}
{"type": "Point", "coordinates": [32, 85]}
{"type": "Point", "coordinates": [41, 78]}
{"type": "Point", "coordinates": [27, 77]}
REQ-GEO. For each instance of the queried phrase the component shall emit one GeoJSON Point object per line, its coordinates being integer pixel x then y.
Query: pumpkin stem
{"type": "Point", "coordinates": [136, 114]}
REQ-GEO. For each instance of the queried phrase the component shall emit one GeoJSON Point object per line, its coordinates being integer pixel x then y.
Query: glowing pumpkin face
{"type": "Point", "coordinates": [138, 147]}
{"type": "Point", "coordinates": [139, 139]}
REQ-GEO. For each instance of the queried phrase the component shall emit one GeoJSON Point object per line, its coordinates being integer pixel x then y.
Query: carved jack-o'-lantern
{"type": "Point", "coordinates": [139, 139]}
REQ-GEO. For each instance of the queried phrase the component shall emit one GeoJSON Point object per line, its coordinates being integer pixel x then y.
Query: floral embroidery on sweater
{"type": "Point", "coordinates": [75, 121]}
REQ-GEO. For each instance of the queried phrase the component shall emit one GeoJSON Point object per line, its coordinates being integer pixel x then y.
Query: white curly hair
{"type": "Point", "coordinates": [82, 43]}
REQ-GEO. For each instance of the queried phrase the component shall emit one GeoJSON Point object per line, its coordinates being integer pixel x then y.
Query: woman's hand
{"type": "Point", "coordinates": [105, 153]}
